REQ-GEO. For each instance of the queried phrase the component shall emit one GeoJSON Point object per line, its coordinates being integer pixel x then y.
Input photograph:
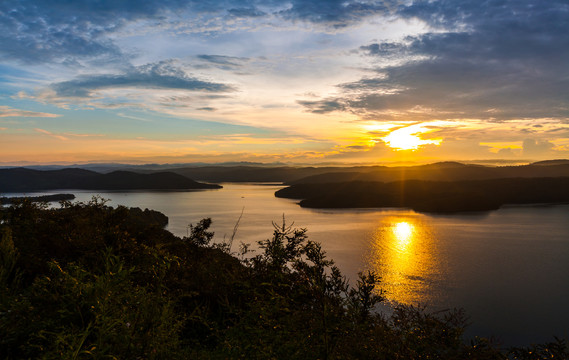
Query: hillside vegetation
{"type": "Point", "coordinates": [431, 196]}
{"type": "Point", "coordinates": [442, 171]}
{"type": "Point", "coordinates": [23, 180]}
{"type": "Point", "coordinates": [87, 281]}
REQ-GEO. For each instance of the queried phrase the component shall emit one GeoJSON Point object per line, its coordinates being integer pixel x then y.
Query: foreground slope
{"type": "Point", "coordinates": [89, 281]}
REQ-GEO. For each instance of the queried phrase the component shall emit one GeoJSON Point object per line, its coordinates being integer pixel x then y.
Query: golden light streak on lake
{"type": "Point", "coordinates": [403, 253]}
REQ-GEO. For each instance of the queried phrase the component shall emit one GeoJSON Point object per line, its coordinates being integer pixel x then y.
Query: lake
{"type": "Point", "coordinates": [509, 269]}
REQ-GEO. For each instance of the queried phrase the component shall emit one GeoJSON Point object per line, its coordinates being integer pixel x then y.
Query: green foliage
{"type": "Point", "coordinates": [552, 350]}
{"type": "Point", "coordinates": [9, 274]}
{"type": "Point", "coordinates": [87, 281]}
{"type": "Point", "coordinates": [198, 234]}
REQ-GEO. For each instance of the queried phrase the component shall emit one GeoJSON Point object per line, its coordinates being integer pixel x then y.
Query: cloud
{"type": "Point", "coordinates": [533, 147]}
{"type": "Point", "coordinates": [223, 60]}
{"type": "Point", "coordinates": [324, 106]}
{"type": "Point", "coordinates": [6, 111]}
{"type": "Point", "coordinates": [220, 62]}
{"type": "Point", "coordinates": [335, 13]}
{"type": "Point", "coordinates": [508, 152]}
{"type": "Point", "coordinates": [246, 12]}
{"type": "Point", "coordinates": [49, 133]}
{"type": "Point", "coordinates": [489, 60]}
{"type": "Point", "coordinates": [161, 75]}
{"type": "Point", "coordinates": [40, 31]}
{"type": "Point", "coordinates": [83, 135]}
{"type": "Point", "coordinates": [63, 31]}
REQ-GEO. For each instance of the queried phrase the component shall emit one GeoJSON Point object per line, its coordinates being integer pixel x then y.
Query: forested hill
{"type": "Point", "coordinates": [443, 171]}
{"type": "Point", "coordinates": [23, 180]}
{"type": "Point", "coordinates": [431, 196]}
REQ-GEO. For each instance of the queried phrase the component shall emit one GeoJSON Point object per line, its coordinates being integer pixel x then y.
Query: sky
{"type": "Point", "coordinates": [295, 82]}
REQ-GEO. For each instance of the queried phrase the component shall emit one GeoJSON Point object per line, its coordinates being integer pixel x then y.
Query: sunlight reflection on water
{"type": "Point", "coordinates": [403, 252]}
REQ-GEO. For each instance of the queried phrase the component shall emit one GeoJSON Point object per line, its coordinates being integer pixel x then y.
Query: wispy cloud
{"type": "Point", "coordinates": [49, 133]}
{"type": "Point", "coordinates": [225, 61]}
{"type": "Point", "coordinates": [83, 135]}
{"type": "Point", "coordinates": [6, 111]}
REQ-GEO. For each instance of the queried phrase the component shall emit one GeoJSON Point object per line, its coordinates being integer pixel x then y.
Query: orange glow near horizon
{"type": "Point", "coordinates": [407, 138]}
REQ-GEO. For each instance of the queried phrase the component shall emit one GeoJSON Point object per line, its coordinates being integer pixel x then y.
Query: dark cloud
{"type": "Point", "coordinates": [324, 106]}
{"type": "Point", "coordinates": [495, 59]}
{"type": "Point", "coordinates": [335, 13]}
{"type": "Point", "coordinates": [564, 129]}
{"type": "Point", "coordinates": [385, 50]}
{"type": "Point", "coordinates": [357, 147]}
{"type": "Point", "coordinates": [162, 75]}
{"type": "Point", "coordinates": [225, 61]}
{"type": "Point", "coordinates": [246, 12]}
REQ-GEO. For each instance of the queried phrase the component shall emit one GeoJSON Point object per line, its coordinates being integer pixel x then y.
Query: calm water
{"type": "Point", "coordinates": [509, 269]}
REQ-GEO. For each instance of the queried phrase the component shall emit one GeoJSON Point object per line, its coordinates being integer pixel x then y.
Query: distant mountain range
{"type": "Point", "coordinates": [27, 180]}
{"type": "Point", "coordinates": [442, 171]}
{"type": "Point", "coordinates": [253, 172]}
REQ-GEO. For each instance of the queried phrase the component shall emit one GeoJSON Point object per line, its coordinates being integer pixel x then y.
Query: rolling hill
{"type": "Point", "coordinates": [25, 180]}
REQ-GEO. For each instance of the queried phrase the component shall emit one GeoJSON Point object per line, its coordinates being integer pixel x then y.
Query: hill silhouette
{"type": "Point", "coordinates": [23, 180]}
{"type": "Point", "coordinates": [441, 171]}
{"type": "Point", "coordinates": [431, 196]}
{"type": "Point", "coordinates": [258, 173]}
{"type": "Point", "coordinates": [445, 171]}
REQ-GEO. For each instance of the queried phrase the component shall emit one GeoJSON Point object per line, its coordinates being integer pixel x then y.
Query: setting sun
{"type": "Point", "coordinates": [407, 138]}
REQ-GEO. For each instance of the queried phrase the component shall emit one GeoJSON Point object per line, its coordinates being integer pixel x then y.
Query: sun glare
{"type": "Point", "coordinates": [403, 232]}
{"type": "Point", "coordinates": [404, 256]}
{"type": "Point", "coordinates": [407, 138]}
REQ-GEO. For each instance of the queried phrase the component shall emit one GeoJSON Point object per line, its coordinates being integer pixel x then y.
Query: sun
{"type": "Point", "coordinates": [407, 138]}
